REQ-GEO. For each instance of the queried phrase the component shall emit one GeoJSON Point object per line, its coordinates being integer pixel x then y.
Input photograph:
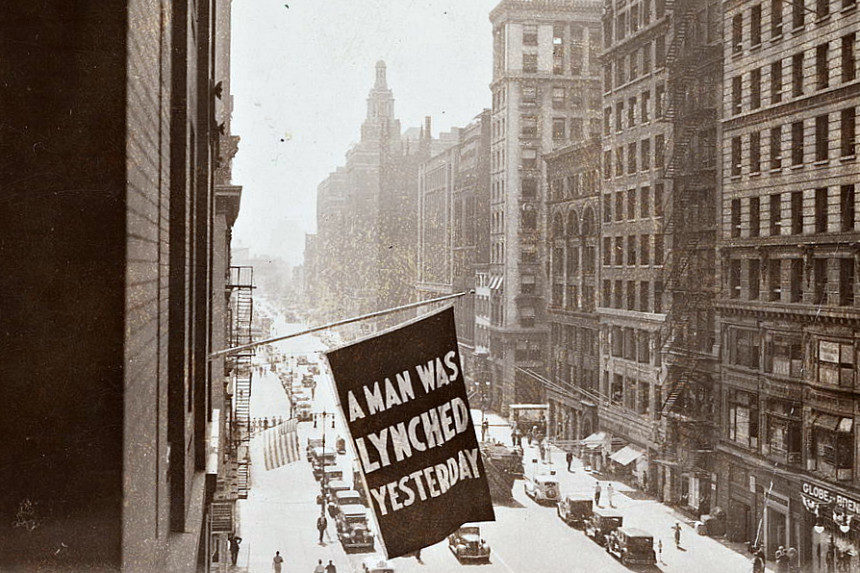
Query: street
{"type": "Point", "coordinates": [280, 512]}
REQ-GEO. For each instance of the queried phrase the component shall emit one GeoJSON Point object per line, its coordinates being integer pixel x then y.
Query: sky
{"type": "Point", "coordinates": [301, 71]}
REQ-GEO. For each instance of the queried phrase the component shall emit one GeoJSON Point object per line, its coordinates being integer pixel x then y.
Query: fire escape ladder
{"type": "Point", "coordinates": [241, 285]}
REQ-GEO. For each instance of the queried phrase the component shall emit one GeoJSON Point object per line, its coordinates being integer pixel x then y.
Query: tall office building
{"type": "Point", "coordinates": [545, 95]}
{"type": "Point", "coordinates": [788, 314]}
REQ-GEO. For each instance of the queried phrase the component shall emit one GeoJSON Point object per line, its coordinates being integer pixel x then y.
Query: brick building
{"type": "Point", "coordinates": [545, 94]}
{"type": "Point", "coordinates": [573, 244]}
{"type": "Point", "coordinates": [114, 434]}
{"type": "Point", "coordinates": [787, 315]}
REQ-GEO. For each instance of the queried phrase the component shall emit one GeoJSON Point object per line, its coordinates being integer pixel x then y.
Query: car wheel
{"type": "Point", "coordinates": [624, 560]}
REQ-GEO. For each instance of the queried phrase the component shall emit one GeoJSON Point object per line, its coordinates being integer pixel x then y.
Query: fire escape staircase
{"type": "Point", "coordinates": [241, 285]}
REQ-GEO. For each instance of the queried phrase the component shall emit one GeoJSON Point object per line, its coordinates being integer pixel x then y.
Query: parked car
{"type": "Point", "coordinates": [353, 531]}
{"type": "Point", "coordinates": [542, 488]}
{"type": "Point", "coordinates": [327, 473]}
{"type": "Point", "coordinates": [602, 523]}
{"type": "Point", "coordinates": [632, 546]}
{"type": "Point", "coordinates": [326, 456]}
{"type": "Point", "coordinates": [304, 411]}
{"type": "Point", "coordinates": [466, 544]}
{"type": "Point", "coordinates": [575, 509]}
{"type": "Point", "coordinates": [348, 497]}
{"type": "Point", "coordinates": [333, 487]}
{"type": "Point", "coordinates": [376, 564]}
{"type": "Point", "coordinates": [313, 443]}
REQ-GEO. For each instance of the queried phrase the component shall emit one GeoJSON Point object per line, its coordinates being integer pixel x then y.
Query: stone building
{"type": "Point", "coordinates": [115, 435]}
{"type": "Point", "coordinates": [787, 315]}
{"type": "Point", "coordinates": [546, 94]}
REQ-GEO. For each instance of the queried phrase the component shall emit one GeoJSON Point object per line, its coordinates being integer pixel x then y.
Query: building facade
{"type": "Point", "coordinates": [545, 94]}
{"type": "Point", "coordinates": [787, 315]}
{"type": "Point", "coordinates": [573, 245]}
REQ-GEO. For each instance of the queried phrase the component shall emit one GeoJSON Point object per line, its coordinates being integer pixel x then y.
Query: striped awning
{"type": "Point", "coordinates": [626, 455]}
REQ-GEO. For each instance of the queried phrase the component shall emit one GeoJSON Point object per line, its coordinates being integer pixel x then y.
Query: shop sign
{"type": "Point", "coordinates": [827, 496]}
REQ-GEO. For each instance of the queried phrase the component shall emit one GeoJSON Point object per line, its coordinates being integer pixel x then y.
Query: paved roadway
{"type": "Point", "coordinates": [280, 512]}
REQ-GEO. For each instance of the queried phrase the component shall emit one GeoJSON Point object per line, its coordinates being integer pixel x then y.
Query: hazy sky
{"type": "Point", "coordinates": [300, 79]}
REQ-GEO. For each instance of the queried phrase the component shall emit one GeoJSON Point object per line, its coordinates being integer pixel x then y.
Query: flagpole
{"type": "Point", "coordinates": [236, 349]}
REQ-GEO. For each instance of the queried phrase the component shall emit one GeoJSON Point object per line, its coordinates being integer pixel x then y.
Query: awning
{"type": "Point", "coordinates": [496, 282]}
{"type": "Point", "coordinates": [626, 455]}
{"type": "Point", "coordinates": [594, 440]}
{"type": "Point", "coordinates": [826, 421]}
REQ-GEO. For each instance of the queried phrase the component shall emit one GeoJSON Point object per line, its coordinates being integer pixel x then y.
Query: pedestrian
{"type": "Point", "coordinates": [514, 438]}
{"type": "Point", "coordinates": [542, 451]}
{"type": "Point", "coordinates": [330, 568]}
{"type": "Point", "coordinates": [234, 548]}
{"type": "Point", "coordinates": [485, 426]}
{"type": "Point", "coordinates": [597, 494]}
{"type": "Point", "coordinates": [677, 529]}
{"type": "Point", "coordinates": [793, 560]}
{"type": "Point", "coordinates": [276, 562]}
{"type": "Point", "coordinates": [660, 550]}
{"type": "Point", "coordinates": [781, 558]}
{"type": "Point", "coordinates": [758, 561]}
{"type": "Point", "coordinates": [322, 524]}
{"type": "Point", "coordinates": [319, 568]}
{"type": "Point", "coordinates": [569, 459]}
{"type": "Point", "coordinates": [609, 491]}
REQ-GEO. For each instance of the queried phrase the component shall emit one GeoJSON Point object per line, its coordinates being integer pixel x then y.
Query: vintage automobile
{"type": "Point", "coordinates": [466, 544]}
{"type": "Point", "coordinates": [352, 528]}
{"type": "Point", "coordinates": [304, 411]}
{"type": "Point", "coordinates": [542, 488]}
{"type": "Point", "coordinates": [632, 546]}
{"type": "Point", "coordinates": [376, 564]}
{"type": "Point", "coordinates": [320, 455]}
{"type": "Point", "coordinates": [334, 487]}
{"type": "Point", "coordinates": [348, 497]}
{"type": "Point", "coordinates": [601, 523]}
{"type": "Point", "coordinates": [313, 443]}
{"type": "Point", "coordinates": [327, 473]}
{"type": "Point", "coordinates": [575, 509]}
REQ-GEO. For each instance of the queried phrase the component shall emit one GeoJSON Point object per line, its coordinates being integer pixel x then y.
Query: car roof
{"type": "Point", "coordinates": [347, 493]}
{"type": "Point", "coordinates": [604, 512]}
{"type": "Point", "coordinates": [338, 484]}
{"type": "Point", "coordinates": [578, 497]}
{"type": "Point", "coordinates": [634, 532]}
{"type": "Point", "coordinates": [545, 478]}
{"type": "Point", "coordinates": [353, 509]}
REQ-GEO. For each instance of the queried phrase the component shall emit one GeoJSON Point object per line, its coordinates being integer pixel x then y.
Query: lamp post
{"type": "Point", "coordinates": [322, 468]}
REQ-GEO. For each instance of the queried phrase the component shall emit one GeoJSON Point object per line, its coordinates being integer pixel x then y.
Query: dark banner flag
{"type": "Point", "coordinates": [404, 399]}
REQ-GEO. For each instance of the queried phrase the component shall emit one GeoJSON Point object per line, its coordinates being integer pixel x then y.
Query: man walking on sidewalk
{"type": "Point", "coordinates": [276, 562]}
{"type": "Point", "coordinates": [569, 458]}
{"type": "Point", "coordinates": [319, 568]}
{"type": "Point", "coordinates": [609, 491]}
{"type": "Point", "coordinates": [322, 524]}
{"type": "Point", "coordinates": [234, 549]}
{"type": "Point", "coordinates": [330, 568]}
{"type": "Point", "coordinates": [677, 529]}
{"type": "Point", "coordinates": [597, 494]}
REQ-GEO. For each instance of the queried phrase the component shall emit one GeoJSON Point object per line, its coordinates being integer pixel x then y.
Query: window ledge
{"type": "Point", "coordinates": [822, 20]}
{"type": "Point", "coordinates": [798, 166]}
{"type": "Point", "coordinates": [847, 158]}
{"type": "Point", "coordinates": [776, 38]}
{"type": "Point", "coordinates": [755, 174]}
{"type": "Point", "coordinates": [735, 177]}
{"type": "Point", "coordinates": [849, 8]}
{"type": "Point", "coordinates": [755, 47]}
{"type": "Point", "coordinates": [776, 170]}
{"type": "Point", "coordinates": [821, 162]}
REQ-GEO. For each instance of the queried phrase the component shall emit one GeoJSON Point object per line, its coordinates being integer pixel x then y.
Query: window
{"type": "Point", "coordinates": [634, 68]}
{"type": "Point", "coordinates": [755, 217]}
{"type": "Point", "coordinates": [631, 203]}
{"type": "Point", "coordinates": [819, 280]}
{"type": "Point", "coordinates": [783, 440]}
{"type": "Point", "coordinates": [607, 164]}
{"type": "Point", "coordinates": [743, 418]}
{"type": "Point", "coordinates": [736, 157]}
{"type": "Point", "coordinates": [822, 8]}
{"type": "Point", "coordinates": [775, 18]}
{"type": "Point", "coordinates": [617, 294]}
{"type": "Point", "coordinates": [755, 152]}
{"type": "Point", "coordinates": [530, 35]}
{"type": "Point", "coordinates": [658, 200]}
{"type": "Point", "coordinates": [822, 74]}
{"type": "Point", "coordinates": [821, 210]}
{"type": "Point", "coordinates": [836, 363]}
{"type": "Point", "coordinates": [576, 128]}
{"type": "Point", "coordinates": [659, 96]}
{"type": "Point", "coordinates": [619, 161]}
{"type": "Point", "coordinates": [529, 94]}
{"type": "Point", "coordinates": [755, 25]}
{"type": "Point", "coordinates": [776, 82]}
{"type": "Point", "coordinates": [530, 63]}
{"type": "Point", "coordinates": [846, 282]}
{"type": "Point", "coordinates": [847, 208]}
{"type": "Point", "coordinates": [646, 102]}
{"type": "Point", "coordinates": [528, 186]}
{"type": "Point", "coordinates": [848, 129]}
{"type": "Point", "coordinates": [754, 278]}
{"type": "Point", "coordinates": [796, 212]}
{"type": "Point", "coordinates": [797, 75]}
{"type": "Point", "coordinates": [619, 251]}
{"type": "Point", "coordinates": [774, 280]}
{"type": "Point", "coordinates": [822, 137]}
{"type": "Point", "coordinates": [798, 14]}
{"type": "Point", "coordinates": [558, 97]}
{"type": "Point", "coordinates": [646, 58]}
{"type": "Point", "coordinates": [528, 158]}
{"type": "Point", "coordinates": [736, 218]}
{"type": "Point", "coordinates": [776, 147]}
{"type": "Point", "coordinates": [849, 68]}
{"type": "Point", "coordinates": [558, 125]}
{"type": "Point", "coordinates": [607, 208]}
{"type": "Point", "coordinates": [645, 250]}
{"type": "Point", "coordinates": [619, 114]}
{"type": "Point", "coordinates": [658, 309]}
{"type": "Point", "coordinates": [631, 305]}
{"type": "Point", "coordinates": [658, 250]}
{"type": "Point", "coordinates": [528, 127]}
{"type": "Point", "coordinates": [631, 250]}
{"type": "Point", "coordinates": [645, 202]}
{"type": "Point", "coordinates": [797, 143]}
{"type": "Point", "coordinates": [607, 251]}
{"type": "Point", "coordinates": [735, 279]}
{"type": "Point", "coordinates": [737, 34]}
{"type": "Point", "coordinates": [831, 446]}
{"type": "Point", "coordinates": [744, 348]}
{"type": "Point", "coordinates": [607, 293]}
{"type": "Point", "coordinates": [645, 154]}
{"type": "Point", "coordinates": [737, 94]}
{"type": "Point", "coordinates": [660, 51]}
{"type": "Point", "coordinates": [631, 112]}
{"type": "Point", "coordinates": [659, 150]}
{"type": "Point", "coordinates": [796, 277]}
{"type": "Point", "coordinates": [607, 120]}
{"type": "Point", "coordinates": [775, 214]}
{"type": "Point", "coordinates": [631, 158]}
{"type": "Point", "coordinates": [755, 88]}
{"type": "Point", "coordinates": [619, 206]}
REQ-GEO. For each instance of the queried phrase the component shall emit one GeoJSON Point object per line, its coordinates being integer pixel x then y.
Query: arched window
{"type": "Point", "coordinates": [588, 227]}
{"type": "Point", "coordinates": [572, 225]}
{"type": "Point", "coordinates": [557, 227]}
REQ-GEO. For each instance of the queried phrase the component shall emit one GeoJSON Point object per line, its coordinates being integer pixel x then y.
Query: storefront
{"type": "Point", "coordinates": [833, 526]}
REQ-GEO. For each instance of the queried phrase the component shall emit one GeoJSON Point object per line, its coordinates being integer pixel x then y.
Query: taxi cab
{"type": "Point", "coordinates": [575, 509]}
{"type": "Point", "coordinates": [466, 544]}
{"type": "Point", "coordinates": [602, 523]}
{"type": "Point", "coordinates": [542, 488]}
{"type": "Point", "coordinates": [632, 546]}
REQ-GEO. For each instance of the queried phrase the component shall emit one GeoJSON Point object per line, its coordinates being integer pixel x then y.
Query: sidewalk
{"type": "Point", "coordinates": [696, 552]}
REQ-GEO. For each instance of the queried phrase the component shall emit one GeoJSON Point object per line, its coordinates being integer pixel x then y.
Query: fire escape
{"type": "Point", "coordinates": [241, 288]}
{"type": "Point", "coordinates": [686, 338]}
